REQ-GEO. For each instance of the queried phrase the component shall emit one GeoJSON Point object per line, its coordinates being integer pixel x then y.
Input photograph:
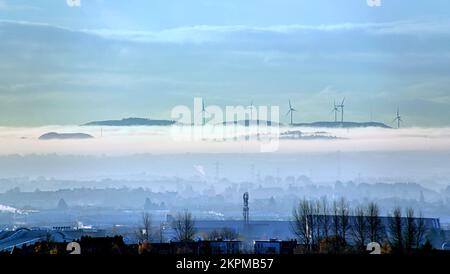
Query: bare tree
{"type": "Point", "coordinates": [336, 227]}
{"type": "Point", "coordinates": [421, 228]}
{"type": "Point", "coordinates": [161, 233]}
{"type": "Point", "coordinates": [410, 234]}
{"type": "Point", "coordinates": [339, 225]}
{"type": "Point", "coordinates": [396, 230]}
{"type": "Point", "coordinates": [375, 226]}
{"type": "Point", "coordinates": [143, 232]}
{"type": "Point", "coordinates": [224, 234]}
{"type": "Point", "coordinates": [359, 228]}
{"type": "Point", "coordinates": [184, 226]}
{"type": "Point", "coordinates": [325, 220]}
{"type": "Point", "coordinates": [316, 221]}
{"type": "Point", "coordinates": [229, 234]}
{"type": "Point", "coordinates": [344, 220]}
{"type": "Point", "coordinates": [301, 225]}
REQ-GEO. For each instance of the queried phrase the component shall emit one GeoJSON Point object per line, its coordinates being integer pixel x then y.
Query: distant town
{"type": "Point", "coordinates": [316, 226]}
{"type": "Point", "coordinates": [272, 221]}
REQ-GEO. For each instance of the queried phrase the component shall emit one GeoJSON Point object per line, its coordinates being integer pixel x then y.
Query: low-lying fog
{"type": "Point", "coordinates": [418, 155]}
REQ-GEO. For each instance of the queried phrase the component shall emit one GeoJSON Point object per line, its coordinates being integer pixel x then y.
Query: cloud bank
{"type": "Point", "coordinates": [215, 34]}
{"type": "Point", "coordinates": [159, 140]}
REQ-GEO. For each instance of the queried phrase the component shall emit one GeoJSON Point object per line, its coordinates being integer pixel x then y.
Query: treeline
{"type": "Point", "coordinates": [184, 226]}
{"type": "Point", "coordinates": [320, 227]}
{"type": "Point", "coordinates": [335, 227]}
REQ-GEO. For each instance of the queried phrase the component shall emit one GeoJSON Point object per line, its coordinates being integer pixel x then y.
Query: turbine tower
{"type": "Point", "coordinates": [291, 111]}
{"type": "Point", "coordinates": [251, 112]}
{"type": "Point", "coordinates": [398, 118]}
{"type": "Point", "coordinates": [335, 110]}
{"type": "Point", "coordinates": [342, 110]}
{"type": "Point", "coordinates": [203, 112]}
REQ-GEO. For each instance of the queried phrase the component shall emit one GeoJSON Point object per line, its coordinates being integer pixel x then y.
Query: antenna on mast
{"type": "Point", "coordinates": [246, 209]}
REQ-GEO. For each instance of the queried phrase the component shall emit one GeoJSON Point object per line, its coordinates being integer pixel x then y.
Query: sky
{"type": "Point", "coordinates": [62, 65]}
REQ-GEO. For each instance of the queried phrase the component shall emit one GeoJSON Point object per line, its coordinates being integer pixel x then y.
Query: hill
{"type": "Point", "coordinates": [253, 123]}
{"type": "Point", "coordinates": [131, 122]}
{"type": "Point", "coordinates": [342, 125]}
{"type": "Point", "coordinates": [64, 136]}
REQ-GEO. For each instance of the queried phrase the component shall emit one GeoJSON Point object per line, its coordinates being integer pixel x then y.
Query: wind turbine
{"type": "Point", "coordinates": [203, 112]}
{"type": "Point", "coordinates": [291, 111]}
{"type": "Point", "coordinates": [398, 118]}
{"type": "Point", "coordinates": [335, 110]}
{"type": "Point", "coordinates": [251, 112]}
{"type": "Point", "coordinates": [342, 110]}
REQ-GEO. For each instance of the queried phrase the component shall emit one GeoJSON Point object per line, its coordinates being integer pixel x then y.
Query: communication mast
{"type": "Point", "coordinates": [246, 209]}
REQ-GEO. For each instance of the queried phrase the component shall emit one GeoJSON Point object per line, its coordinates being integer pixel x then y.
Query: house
{"type": "Point", "coordinates": [224, 247]}
{"type": "Point", "coordinates": [274, 246]}
{"type": "Point", "coordinates": [219, 247]}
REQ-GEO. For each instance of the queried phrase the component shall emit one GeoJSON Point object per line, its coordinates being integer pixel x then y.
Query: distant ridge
{"type": "Point", "coordinates": [342, 124]}
{"type": "Point", "coordinates": [299, 135]}
{"type": "Point", "coordinates": [150, 122]}
{"type": "Point", "coordinates": [64, 136]}
{"type": "Point", "coordinates": [252, 122]}
{"type": "Point", "coordinates": [131, 122]}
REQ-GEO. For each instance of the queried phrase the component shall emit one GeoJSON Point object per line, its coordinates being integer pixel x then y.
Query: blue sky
{"type": "Point", "coordinates": [113, 59]}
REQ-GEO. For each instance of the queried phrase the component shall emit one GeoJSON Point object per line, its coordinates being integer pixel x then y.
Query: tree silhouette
{"type": "Point", "coordinates": [359, 228]}
{"type": "Point", "coordinates": [302, 225]}
{"type": "Point", "coordinates": [184, 226]}
{"type": "Point", "coordinates": [344, 219]}
{"type": "Point", "coordinates": [224, 234]}
{"type": "Point", "coordinates": [410, 233]}
{"type": "Point", "coordinates": [62, 205]}
{"type": "Point", "coordinates": [396, 231]}
{"type": "Point", "coordinates": [375, 226]}
{"type": "Point", "coordinates": [144, 232]}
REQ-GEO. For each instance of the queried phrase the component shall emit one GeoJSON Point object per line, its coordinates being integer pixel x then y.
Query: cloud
{"type": "Point", "coordinates": [214, 33]}
{"type": "Point", "coordinates": [73, 3]}
{"type": "Point", "coordinates": [386, 36]}
{"type": "Point", "coordinates": [5, 6]}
